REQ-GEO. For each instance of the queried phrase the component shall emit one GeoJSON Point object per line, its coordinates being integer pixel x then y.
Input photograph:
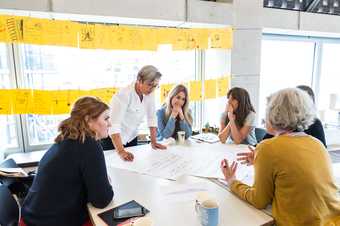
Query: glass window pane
{"type": "Point", "coordinates": [329, 81]}
{"type": "Point", "coordinates": [217, 64]}
{"type": "Point", "coordinates": [50, 67]}
{"type": "Point", "coordinates": [284, 64]}
{"type": "Point", "coordinates": [8, 132]}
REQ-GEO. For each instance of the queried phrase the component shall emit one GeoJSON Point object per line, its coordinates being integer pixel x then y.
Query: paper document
{"type": "Point", "coordinates": [182, 192]}
{"type": "Point", "coordinates": [193, 159]}
{"type": "Point", "coordinates": [158, 163]}
{"type": "Point", "coordinates": [206, 137]}
{"type": "Point", "coordinates": [13, 172]}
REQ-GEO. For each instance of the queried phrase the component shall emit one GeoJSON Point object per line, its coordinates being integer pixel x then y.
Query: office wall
{"type": "Point", "coordinates": [300, 21]}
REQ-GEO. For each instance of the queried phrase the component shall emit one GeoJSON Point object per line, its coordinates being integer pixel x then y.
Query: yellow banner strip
{"type": "Point", "coordinates": [17, 29]}
{"type": "Point", "coordinates": [52, 102]}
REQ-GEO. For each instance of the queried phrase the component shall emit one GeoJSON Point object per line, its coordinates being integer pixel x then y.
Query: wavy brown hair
{"type": "Point", "coordinates": [76, 126]}
{"type": "Point", "coordinates": [244, 105]}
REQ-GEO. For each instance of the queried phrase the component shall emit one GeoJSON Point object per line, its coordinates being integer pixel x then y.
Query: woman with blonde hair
{"type": "Point", "coordinates": [175, 115]}
{"type": "Point", "coordinates": [292, 169]}
{"type": "Point", "coordinates": [72, 172]}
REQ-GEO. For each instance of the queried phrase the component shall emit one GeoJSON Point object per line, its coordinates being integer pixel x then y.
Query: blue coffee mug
{"type": "Point", "coordinates": [207, 212]}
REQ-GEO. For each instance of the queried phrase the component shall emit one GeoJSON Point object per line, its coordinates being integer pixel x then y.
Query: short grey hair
{"type": "Point", "coordinates": [148, 73]}
{"type": "Point", "coordinates": [290, 109]}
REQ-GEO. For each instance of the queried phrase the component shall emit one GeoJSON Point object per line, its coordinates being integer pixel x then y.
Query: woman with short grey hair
{"type": "Point", "coordinates": [315, 129]}
{"type": "Point", "coordinates": [128, 109]}
{"type": "Point", "coordinates": [290, 110]}
{"type": "Point", "coordinates": [292, 169]}
{"type": "Point", "coordinates": [148, 73]}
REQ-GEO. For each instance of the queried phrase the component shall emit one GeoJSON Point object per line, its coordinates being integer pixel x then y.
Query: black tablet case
{"type": "Point", "coordinates": [107, 216]}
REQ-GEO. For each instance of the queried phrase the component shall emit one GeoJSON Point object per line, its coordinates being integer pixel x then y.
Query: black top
{"type": "Point", "coordinates": [315, 130]}
{"type": "Point", "coordinates": [70, 175]}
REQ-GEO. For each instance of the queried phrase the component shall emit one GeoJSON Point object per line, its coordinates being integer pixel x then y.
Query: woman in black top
{"type": "Point", "coordinates": [316, 129]}
{"type": "Point", "coordinates": [73, 171]}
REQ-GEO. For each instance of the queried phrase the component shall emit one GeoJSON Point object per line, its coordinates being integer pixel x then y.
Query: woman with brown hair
{"type": "Point", "coordinates": [175, 115]}
{"type": "Point", "coordinates": [73, 171]}
{"type": "Point", "coordinates": [238, 120]}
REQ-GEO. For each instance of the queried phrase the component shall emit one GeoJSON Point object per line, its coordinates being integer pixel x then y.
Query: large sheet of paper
{"type": "Point", "coordinates": [158, 163]}
{"type": "Point", "coordinates": [194, 159]}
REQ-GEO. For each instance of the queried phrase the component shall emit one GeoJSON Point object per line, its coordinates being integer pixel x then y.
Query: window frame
{"type": "Point", "coordinates": [15, 59]}
{"type": "Point", "coordinates": [14, 84]}
{"type": "Point", "coordinates": [318, 50]}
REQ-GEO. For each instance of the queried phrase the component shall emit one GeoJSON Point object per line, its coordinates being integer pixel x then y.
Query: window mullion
{"type": "Point", "coordinates": [317, 70]}
{"type": "Point", "coordinates": [14, 75]}
{"type": "Point", "coordinates": [200, 68]}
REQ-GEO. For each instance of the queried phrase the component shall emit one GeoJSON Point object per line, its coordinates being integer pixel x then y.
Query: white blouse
{"type": "Point", "coordinates": [127, 112]}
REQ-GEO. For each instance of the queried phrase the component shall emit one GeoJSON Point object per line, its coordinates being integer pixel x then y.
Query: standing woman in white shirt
{"type": "Point", "coordinates": [238, 120]}
{"type": "Point", "coordinates": [128, 108]}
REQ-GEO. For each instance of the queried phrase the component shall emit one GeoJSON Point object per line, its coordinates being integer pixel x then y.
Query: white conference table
{"type": "Point", "coordinates": [147, 190]}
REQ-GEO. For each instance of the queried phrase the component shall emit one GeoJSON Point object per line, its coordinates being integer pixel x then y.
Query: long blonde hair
{"type": "Point", "coordinates": [185, 108]}
{"type": "Point", "coordinates": [76, 126]}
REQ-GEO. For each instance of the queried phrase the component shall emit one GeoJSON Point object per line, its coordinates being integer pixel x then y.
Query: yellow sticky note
{"type": "Point", "coordinates": [87, 36]}
{"type": "Point", "coordinates": [210, 89]}
{"type": "Point", "coordinates": [14, 28]}
{"type": "Point", "coordinates": [35, 30]}
{"type": "Point", "coordinates": [41, 102]}
{"type": "Point", "coordinates": [22, 99]}
{"type": "Point", "coordinates": [135, 37]}
{"type": "Point", "coordinates": [165, 90]}
{"type": "Point", "coordinates": [61, 101]}
{"type": "Point", "coordinates": [181, 40]}
{"type": "Point", "coordinates": [195, 90]}
{"type": "Point", "coordinates": [150, 39]}
{"type": "Point", "coordinates": [120, 38]}
{"type": "Point", "coordinates": [223, 86]}
{"type": "Point", "coordinates": [165, 35]}
{"type": "Point", "coordinates": [6, 97]}
{"type": "Point", "coordinates": [3, 30]}
{"type": "Point", "coordinates": [105, 94]}
{"type": "Point", "coordinates": [221, 38]}
{"type": "Point", "coordinates": [69, 33]}
{"type": "Point", "coordinates": [52, 32]}
{"type": "Point", "coordinates": [198, 39]}
{"type": "Point", "coordinates": [102, 40]}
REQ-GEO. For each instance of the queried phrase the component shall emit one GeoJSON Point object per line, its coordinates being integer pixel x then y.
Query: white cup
{"type": "Point", "coordinates": [181, 137]}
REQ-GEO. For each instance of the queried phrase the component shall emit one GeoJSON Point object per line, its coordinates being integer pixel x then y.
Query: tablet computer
{"type": "Point", "coordinates": [121, 213]}
{"type": "Point", "coordinates": [128, 210]}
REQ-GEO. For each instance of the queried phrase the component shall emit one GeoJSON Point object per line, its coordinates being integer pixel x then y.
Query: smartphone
{"type": "Point", "coordinates": [130, 209]}
{"type": "Point", "coordinates": [128, 212]}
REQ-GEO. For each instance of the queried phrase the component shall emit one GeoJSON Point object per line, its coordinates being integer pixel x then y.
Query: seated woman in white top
{"type": "Point", "coordinates": [238, 120]}
{"type": "Point", "coordinates": [175, 115]}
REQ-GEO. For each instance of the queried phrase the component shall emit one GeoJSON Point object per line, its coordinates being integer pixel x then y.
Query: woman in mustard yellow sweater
{"type": "Point", "coordinates": [292, 169]}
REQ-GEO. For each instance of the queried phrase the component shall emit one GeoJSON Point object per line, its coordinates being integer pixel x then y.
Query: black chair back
{"type": "Point", "coordinates": [259, 134]}
{"type": "Point", "coordinates": [8, 163]}
{"type": "Point", "coordinates": [9, 209]}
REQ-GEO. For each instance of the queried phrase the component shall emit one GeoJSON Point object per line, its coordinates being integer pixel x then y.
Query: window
{"type": "Point", "coordinates": [217, 64]}
{"type": "Point", "coordinates": [8, 128]}
{"type": "Point", "coordinates": [50, 67]}
{"type": "Point", "coordinates": [329, 81]}
{"type": "Point", "coordinates": [284, 63]}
